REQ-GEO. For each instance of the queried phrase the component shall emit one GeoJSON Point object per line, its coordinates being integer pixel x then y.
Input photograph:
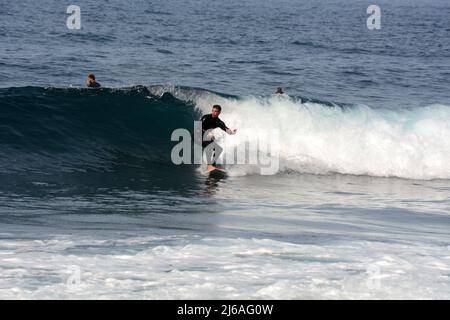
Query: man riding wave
{"type": "Point", "coordinates": [210, 122]}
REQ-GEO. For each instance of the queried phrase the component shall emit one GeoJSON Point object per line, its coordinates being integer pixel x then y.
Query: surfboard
{"type": "Point", "coordinates": [216, 172]}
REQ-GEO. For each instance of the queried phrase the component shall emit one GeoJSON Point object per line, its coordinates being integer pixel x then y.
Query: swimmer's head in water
{"type": "Point", "coordinates": [91, 82]}
{"type": "Point", "coordinates": [280, 90]}
{"type": "Point", "coordinates": [216, 109]}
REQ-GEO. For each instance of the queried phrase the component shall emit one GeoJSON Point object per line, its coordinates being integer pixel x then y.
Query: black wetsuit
{"type": "Point", "coordinates": [94, 85]}
{"type": "Point", "coordinates": [208, 123]}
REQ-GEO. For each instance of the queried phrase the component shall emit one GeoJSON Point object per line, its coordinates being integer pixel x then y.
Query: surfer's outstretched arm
{"type": "Point", "coordinates": [222, 126]}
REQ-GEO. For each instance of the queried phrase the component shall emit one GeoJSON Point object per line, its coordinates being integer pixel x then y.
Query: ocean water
{"type": "Point", "coordinates": [91, 206]}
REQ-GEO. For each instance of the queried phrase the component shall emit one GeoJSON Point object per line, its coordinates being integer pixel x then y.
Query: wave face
{"type": "Point", "coordinates": [51, 130]}
{"type": "Point", "coordinates": [43, 130]}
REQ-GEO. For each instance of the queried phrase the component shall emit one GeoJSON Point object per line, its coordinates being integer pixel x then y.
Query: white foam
{"type": "Point", "coordinates": [221, 268]}
{"type": "Point", "coordinates": [315, 138]}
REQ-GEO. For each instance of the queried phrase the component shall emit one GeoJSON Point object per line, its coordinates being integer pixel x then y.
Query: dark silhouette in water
{"type": "Point", "coordinates": [279, 90]}
{"type": "Point", "coordinates": [91, 82]}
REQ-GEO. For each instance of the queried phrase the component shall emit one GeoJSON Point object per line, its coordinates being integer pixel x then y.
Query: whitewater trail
{"type": "Point", "coordinates": [323, 138]}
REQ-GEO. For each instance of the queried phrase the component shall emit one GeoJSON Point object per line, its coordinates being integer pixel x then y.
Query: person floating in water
{"type": "Point", "coordinates": [209, 122]}
{"type": "Point", "coordinates": [91, 82]}
{"type": "Point", "coordinates": [279, 90]}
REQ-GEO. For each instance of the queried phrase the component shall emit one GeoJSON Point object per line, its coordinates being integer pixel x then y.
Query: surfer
{"type": "Point", "coordinates": [91, 82]}
{"type": "Point", "coordinates": [209, 122]}
{"type": "Point", "coordinates": [279, 90]}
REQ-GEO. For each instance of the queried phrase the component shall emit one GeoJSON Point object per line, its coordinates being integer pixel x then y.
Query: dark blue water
{"type": "Point", "coordinates": [322, 49]}
{"type": "Point", "coordinates": [91, 205]}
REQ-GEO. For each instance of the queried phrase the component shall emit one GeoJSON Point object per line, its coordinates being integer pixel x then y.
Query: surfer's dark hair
{"type": "Point", "coordinates": [91, 76]}
{"type": "Point", "coordinates": [216, 106]}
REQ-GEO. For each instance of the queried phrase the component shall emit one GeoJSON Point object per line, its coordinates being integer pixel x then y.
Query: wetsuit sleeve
{"type": "Point", "coordinates": [222, 125]}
